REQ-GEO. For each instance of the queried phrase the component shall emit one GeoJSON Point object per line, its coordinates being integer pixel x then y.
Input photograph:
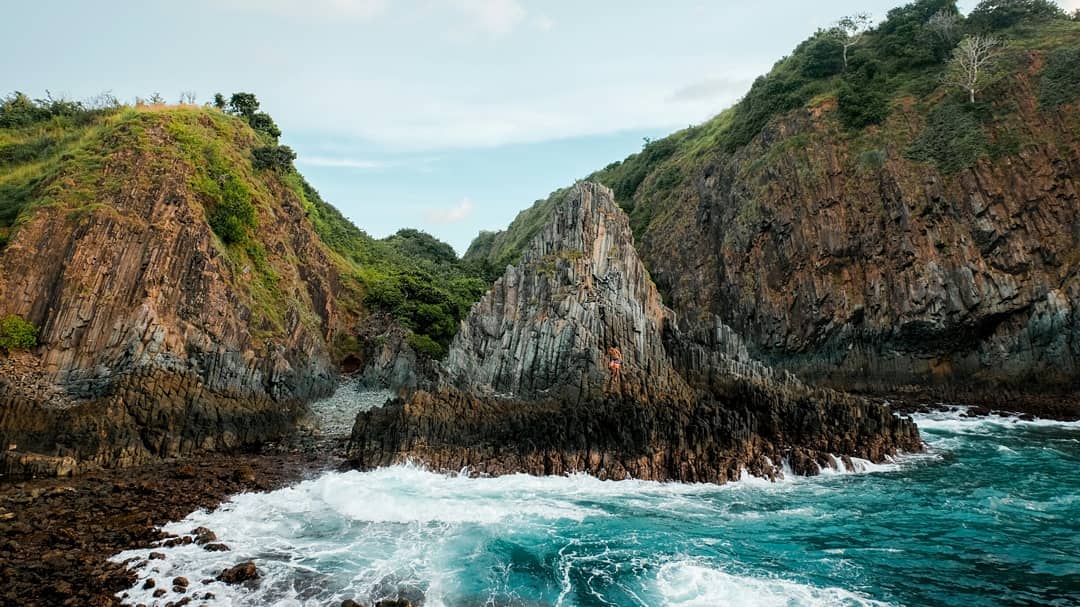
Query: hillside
{"type": "Point", "coordinates": [171, 284]}
{"type": "Point", "coordinates": [867, 228]}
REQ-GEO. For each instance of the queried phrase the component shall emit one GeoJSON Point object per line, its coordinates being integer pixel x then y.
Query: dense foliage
{"type": "Point", "coordinates": [411, 275]}
{"type": "Point", "coordinates": [17, 334]}
{"type": "Point", "coordinates": [891, 98]}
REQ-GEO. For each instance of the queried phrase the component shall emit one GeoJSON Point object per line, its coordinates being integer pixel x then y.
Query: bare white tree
{"type": "Point", "coordinates": [945, 26]}
{"type": "Point", "coordinates": [187, 98]}
{"type": "Point", "coordinates": [852, 29]}
{"type": "Point", "coordinates": [972, 63]}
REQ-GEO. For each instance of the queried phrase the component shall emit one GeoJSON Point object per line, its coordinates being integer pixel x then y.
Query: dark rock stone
{"type": "Point", "coordinates": [156, 556]}
{"type": "Point", "coordinates": [217, 547]}
{"type": "Point", "coordinates": [149, 583]}
{"type": "Point", "coordinates": [160, 592]}
{"type": "Point", "coordinates": [203, 535]}
{"type": "Point", "coordinates": [527, 388]}
{"type": "Point", "coordinates": [242, 572]}
{"type": "Point", "coordinates": [180, 581]}
{"type": "Point", "coordinates": [350, 603]}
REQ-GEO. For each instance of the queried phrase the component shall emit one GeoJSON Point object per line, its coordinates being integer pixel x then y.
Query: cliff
{"type": "Point", "coordinates": [927, 246]}
{"type": "Point", "coordinates": [526, 386]}
{"type": "Point", "coordinates": [187, 298]}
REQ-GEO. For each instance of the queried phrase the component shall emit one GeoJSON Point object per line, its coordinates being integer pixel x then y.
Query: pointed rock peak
{"type": "Point", "coordinates": [548, 326]}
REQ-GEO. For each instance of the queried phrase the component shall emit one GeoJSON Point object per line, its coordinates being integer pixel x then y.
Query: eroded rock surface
{"type": "Point", "coordinates": [527, 386]}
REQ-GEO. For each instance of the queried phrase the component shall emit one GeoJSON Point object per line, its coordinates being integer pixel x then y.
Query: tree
{"type": "Point", "coordinates": [945, 26]}
{"type": "Point", "coordinates": [219, 101]}
{"type": "Point", "coordinates": [17, 334]}
{"type": "Point", "coordinates": [990, 15]}
{"type": "Point", "coordinates": [157, 99]}
{"type": "Point", "coordinates": [262, 122]}
{"type": "Point", "coordinates": [244, 104]}
{"type": "Point", "coordinates": [278, 158]}
{"type": "Point", "coordinates": [187, 97]}
{"type": "Point", "coordinates": [972, 63]}
{"type": "Point", "coordinates": [851, 30]}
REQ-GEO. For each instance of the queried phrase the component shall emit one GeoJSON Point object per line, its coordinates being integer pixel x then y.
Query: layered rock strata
{"type": "Point", "coordinates": [155, 341]}
{"type": "Point", "coordinates": [526, 385]}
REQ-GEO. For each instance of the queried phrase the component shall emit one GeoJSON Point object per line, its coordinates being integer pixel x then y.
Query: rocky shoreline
{"type": "Point", "coordinates": [58, 533]}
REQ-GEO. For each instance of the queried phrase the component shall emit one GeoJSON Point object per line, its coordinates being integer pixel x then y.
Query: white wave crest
{"type": "Point", "coordinates": [690, 584]}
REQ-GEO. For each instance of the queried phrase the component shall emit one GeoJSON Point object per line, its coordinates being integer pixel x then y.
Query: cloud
{"type": "Point", "coordinates": [452, 215]}
{"type": "Point", "coordinates": [350, 10]}
{"type": "Point", "coordinates": [709, 89]}
{"type": "Point", "coordinates": [494, 17]}
{"type": "Point", "coordinates": [1069, 5]}
{"type": "Point", "coordinates": [544, 23]}
{"type": "Point", "coordinates": [348, 163]}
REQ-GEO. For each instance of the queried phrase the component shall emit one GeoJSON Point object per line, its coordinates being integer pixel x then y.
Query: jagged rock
{"type": "Point", "coordinates": [527, 387]}
{"type": "Point", "coordinates": [236, 574]}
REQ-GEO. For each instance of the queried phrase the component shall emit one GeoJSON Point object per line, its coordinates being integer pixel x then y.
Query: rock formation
{"type": "Point", "coordinates": [155, 341]}
{"type": "Point", "coordinates": [527, 388]}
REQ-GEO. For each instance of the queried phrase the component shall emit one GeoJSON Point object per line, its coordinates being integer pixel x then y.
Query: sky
{"type": "Point", "coordinates": [449, 116]}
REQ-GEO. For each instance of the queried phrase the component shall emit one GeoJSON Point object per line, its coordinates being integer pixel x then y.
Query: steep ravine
{"type": "Point", "coordinates": [526, 386]}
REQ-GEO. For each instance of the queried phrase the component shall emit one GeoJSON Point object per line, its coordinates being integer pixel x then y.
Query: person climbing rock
{"type": "Point", "coordinates": [615, 364]}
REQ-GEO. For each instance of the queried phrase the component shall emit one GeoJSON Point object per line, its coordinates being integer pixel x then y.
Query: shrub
{"type": "Point", "coordinates": [991, 15]}
{"type": "Point", "coordinates": [233, 214]}
{"type": "Point", "coordinates": [263, 123]}
{"type": "Point", "coordinates": [861, 104]}
{"type": "Point", "coordinates": [426, 346]}
{"type": "Point", "coordinates": [278, 158]}
{"type": "Point", "coordinates": [952, 138]}
{"type": "Point", "coordinates": [1060, 80]}
{"type": "Point", "coordinates": [17, 334]}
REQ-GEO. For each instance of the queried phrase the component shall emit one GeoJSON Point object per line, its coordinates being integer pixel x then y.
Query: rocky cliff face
{"type": "Point", "coordinates": [895, 277]}
{"type": "Point", "coordinates": [155, 341]}
{"type": "Point", "coordinates": [527, 388]}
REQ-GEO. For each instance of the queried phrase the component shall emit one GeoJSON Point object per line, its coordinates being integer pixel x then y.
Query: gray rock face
{"type": "Point", "coordinates": [546, 326]}
{"type": "Point", "coordinates": [527, 389]}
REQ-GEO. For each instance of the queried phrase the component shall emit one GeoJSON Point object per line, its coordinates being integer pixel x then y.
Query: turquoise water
{"type": "Point", "coordinates": [989, 516]}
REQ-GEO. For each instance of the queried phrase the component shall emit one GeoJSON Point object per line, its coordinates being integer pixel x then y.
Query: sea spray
{"type": "Point", "coordinates": [971, 523]}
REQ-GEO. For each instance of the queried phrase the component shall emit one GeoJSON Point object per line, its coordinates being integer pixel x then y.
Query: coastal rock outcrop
{"type": "Point", "coordinates": [157, 338]}
{"type": "Point", "coordinates": [526, 385]}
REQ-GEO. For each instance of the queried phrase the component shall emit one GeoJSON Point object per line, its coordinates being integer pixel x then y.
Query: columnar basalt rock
{"type": "Point", "coordinates": [152, 344]}
{"type": "Point", "coordinates": [527, 389]}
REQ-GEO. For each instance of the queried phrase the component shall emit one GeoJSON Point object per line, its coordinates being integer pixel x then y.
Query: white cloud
{"type": "Point", "coordinates": [452, 215]}
{"type": "Point", "coordinates": [495, 17]}
{"type": "Point", "coordinates": [1069, 5]}
{"type": "Point", "coordinates": [348, 163]}
{"type": "Point", "coordinates": [546, 24]}
{"type": "Point", "coordinates": [351, 10]}
{"type": "Point", "coordinates": [710, 89]}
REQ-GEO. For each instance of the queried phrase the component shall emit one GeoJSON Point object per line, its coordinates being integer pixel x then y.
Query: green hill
{"type": "Point", "coordinates": [56, 153]}
{"type": "Point", "coordinates": [868, 227]}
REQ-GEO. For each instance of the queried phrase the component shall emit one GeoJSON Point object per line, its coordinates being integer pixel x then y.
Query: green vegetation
{"type": "Point", "coordinates": [1060, 82]}
{"type": "Point", "coordinates": [80, 157]}
{"type": "Point", "coordinates": [953, 138]}
{"type": "Point", "coordinates": [890, 101]}
{"type": "Point", "coordinates": [410, 275]}
{"type": "Point", "coordinates": [17, 334]}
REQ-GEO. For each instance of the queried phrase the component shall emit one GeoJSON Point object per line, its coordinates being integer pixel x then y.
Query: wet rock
{"type": "Point", "coordinates": [350, 603]}
{"type": "Point", "coordinates": [160, 592]}
{"type": "Point", "coordinates": [244, 474]}
{"type": "Point", "coordinates": [180, 581]}
{"type": "Point", "coordinates": [527, 386]}
{"type": "Point", "coordinates": [236, 574]}
{"type": "Point", "coordinates": [149, 583]}
{"type": "Point", "coordinates": [203, 535]}
{"type": "Point", "coordinates": [156, 556]}
{"type": "Point", "coordinates": [216, 547]}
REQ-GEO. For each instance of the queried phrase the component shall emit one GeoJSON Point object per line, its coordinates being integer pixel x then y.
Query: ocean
{"type": "Point", "coordinates": [988, 516]}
